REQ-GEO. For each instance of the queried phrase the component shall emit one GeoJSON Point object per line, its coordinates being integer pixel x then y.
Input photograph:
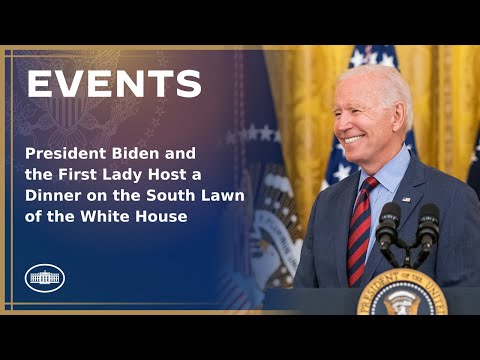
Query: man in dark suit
{"type": "Point", "coordinates": [373, 112]}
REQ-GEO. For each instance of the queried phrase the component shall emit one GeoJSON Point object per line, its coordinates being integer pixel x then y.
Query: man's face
{"type": "Point", "coordinates": [362, 125]}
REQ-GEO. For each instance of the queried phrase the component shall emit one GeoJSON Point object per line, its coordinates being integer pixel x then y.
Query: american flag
{"type": "Point", "coordinates": [474, 173]}
{"type": "Point", "coordinates": [338, 166]}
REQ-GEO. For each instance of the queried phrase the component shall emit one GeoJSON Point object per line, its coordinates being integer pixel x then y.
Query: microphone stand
{"type": "Point", "coordinates": [407, 262]}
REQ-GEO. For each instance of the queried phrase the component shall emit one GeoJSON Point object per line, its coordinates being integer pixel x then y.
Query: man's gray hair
{"type": "Point", "coordinates": [394, 87]}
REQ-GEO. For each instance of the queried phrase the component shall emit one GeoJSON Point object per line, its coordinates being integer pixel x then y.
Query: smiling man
{"type": "Point", "coordinates": [373, 112]}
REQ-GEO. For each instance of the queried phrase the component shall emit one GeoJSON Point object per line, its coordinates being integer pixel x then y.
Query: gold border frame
{"type": "Point", "coordinates": [2, 181]}
{"type": "Point", "coordinates": [3, 255]}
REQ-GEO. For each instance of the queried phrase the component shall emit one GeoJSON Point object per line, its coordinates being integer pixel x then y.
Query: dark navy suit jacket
{"type": "Point", "coordinates": [454, 259]}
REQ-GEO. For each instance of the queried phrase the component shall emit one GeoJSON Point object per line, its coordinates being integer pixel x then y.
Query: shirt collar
{"type": "Point", "coordinates": [392, 172]}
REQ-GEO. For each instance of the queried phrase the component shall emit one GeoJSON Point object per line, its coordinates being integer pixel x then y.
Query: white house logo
{"type": "Point", "coordinates": [44, 278]}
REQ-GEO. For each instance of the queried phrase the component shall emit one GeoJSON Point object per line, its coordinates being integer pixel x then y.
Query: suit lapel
{"type": "Point", "coordinates": [346, 197]}
{"type": "Point", "coordinates": [414, 176]}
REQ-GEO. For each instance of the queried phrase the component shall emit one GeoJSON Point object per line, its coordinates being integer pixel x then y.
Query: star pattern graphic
{"type": "Point", "coordinates": [149, 133]}
{"type": "Point", "coordinates": [277, 137]}
{"type": "Point", "coordinates": [243, 134]}
{"type": "Point", "coordinates": [473, 157]}
{"type": "Point", "coordinates": [343, 172]}
{"type": "Point", "coordinates": [162, 101]}
{"type": "Point", "coordinates": [19, 167]}
{"type": "Point", "coordinates": [265, 133]}
{"type": "Point", "coordinates": [230, 138]}
{"type": "Point", "coordinates": [156, 122]}
{"type": "Point", "coordinates": [387, 60]}
{"type": "Point", "coordinates": [357, 58]}
{"type": "Point", "coordinates": [373, 58]}
{"type": "Point", "coordinates": [160, 110]}
{"type": "Point", "coordinates": [252, 134]}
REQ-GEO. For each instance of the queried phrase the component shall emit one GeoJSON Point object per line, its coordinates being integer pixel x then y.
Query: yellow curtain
{"type": "Point", "coordinates": [445, 85]}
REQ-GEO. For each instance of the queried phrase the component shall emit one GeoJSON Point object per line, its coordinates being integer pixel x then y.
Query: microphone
{"type": "Point", "coordinates": [427, 232]}
{"type": "Point", "coordinates": [386, 232]}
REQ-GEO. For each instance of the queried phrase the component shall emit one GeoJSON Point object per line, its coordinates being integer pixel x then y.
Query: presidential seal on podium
{"type": "Point", "coordinates": [404, 290]}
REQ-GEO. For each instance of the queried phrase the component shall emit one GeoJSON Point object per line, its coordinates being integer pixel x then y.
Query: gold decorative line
{"type": "Point", "coordinates": [154, 47]}
{"type": "Point", "coordinates": [11, 183]}
{"type": "Point", "coordinates": [2, 179]}
{"type": "Point", "coordinates": [143, 312]}
{"type": "Point", "coordinates": [75, 56]}
{"type": "Point", "coordinates": [115, 303]}
{"type": "Point", "coordinates": [52, 56]}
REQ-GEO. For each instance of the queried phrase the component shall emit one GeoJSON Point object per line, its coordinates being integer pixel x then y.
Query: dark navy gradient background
{"type": "Point", "coordinates": [156, 265]}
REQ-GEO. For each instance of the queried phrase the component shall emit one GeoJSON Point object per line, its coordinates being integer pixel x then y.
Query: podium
{"type": "Point", "coordinates": [343, 301]}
